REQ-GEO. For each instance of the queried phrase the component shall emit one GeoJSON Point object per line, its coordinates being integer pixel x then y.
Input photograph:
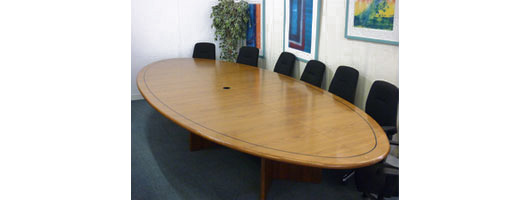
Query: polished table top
{"type": "Point", "coordinates": [263, 113]}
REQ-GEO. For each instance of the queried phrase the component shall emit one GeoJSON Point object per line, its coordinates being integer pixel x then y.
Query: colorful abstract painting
{"type": "Point", "coordinates": [374, 14]}
{"type": "Point", "coordinates": [301, 24]}
{"type": "Point", "coordinates": [300, 20]}
{"type": "Point", "coordinates": [254, 30]}
{"type": "Point", "coordinates": [372, 21]}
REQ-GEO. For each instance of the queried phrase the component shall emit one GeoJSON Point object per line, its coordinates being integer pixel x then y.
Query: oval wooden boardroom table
{"type": "Point", "coordinates": [297, 129]}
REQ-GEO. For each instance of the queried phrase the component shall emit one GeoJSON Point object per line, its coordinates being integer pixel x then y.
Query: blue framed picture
{"type": "Point", "coordinates": [373, 21]}
{"type": "Point", "coordinates": [256, 25]}
{"type": "Point", "coordinates": [301, 28]}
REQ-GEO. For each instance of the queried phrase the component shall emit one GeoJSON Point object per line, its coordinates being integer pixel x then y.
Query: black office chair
{"type": "Point", "coordinates": [285, 64]}
{"type": "Point", "coordinates": [204, 50]}
{"type": "Point", "coordinates": [382, 106]}
{"type": "Point", "coordinates": [314, 73]}
{"type": "Point", "coordinates": [248, 56]}
{"type": "Point", "coordinates": [381, 179]}
{"type": "Point", "coordinates": [344, 83]}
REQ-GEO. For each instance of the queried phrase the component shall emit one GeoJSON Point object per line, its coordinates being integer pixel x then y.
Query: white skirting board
{"type": "Point", "coordinates": [136, 97]}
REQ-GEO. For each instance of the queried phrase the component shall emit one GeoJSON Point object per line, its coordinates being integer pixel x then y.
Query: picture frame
{"type": "Point", "coordinates": [256, 29]}
{"type": "Point", "coordinates": [372, 21]}
{"type": "Point", "coordinates": [301, 28]}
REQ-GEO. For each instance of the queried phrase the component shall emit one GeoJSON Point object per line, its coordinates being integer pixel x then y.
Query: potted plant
{"type": "Point", "coordinates": [230, 20]}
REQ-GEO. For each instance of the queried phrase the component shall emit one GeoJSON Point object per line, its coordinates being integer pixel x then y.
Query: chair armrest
{"type": "Point", "coordinates": [390, 171]}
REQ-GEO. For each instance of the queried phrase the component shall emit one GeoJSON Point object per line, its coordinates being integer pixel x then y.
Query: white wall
{"type": "Point", "coordinates": [373, 60]}
{"type": "Point", "coordinates": [167, 29]}
{"type": "Point", "coordinates": [164, 29]}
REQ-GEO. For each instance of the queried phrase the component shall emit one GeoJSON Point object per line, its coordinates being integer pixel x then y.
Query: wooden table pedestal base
{"type": "Point", "coordinates": [271, 169]}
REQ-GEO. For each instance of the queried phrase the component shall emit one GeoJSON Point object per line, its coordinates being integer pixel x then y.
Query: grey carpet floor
{"type": "Point", "coordinates": [163, 168]}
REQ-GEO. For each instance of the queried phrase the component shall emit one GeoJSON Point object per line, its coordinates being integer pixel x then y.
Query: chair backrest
{"type": "Point", "coordinates": [382, 103]}
{"type": "Point", "coordinates": [344, 83]}
{"type": "Point", "coordinates": [285, 64]}
{"type": "Point", "coordinates": [248, 56]}
{"type": "Point", "coordinates": [204, 50]}
{"type": "Point", "coordinates": [314, 73]}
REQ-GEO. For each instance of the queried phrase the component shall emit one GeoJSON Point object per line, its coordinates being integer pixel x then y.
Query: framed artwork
{"type": "Point", "coordinates": [373, 21]}
{"type": "Point", "coordinates": [301, 28]}
{"type": "Point", "coordinates": [256, 25]}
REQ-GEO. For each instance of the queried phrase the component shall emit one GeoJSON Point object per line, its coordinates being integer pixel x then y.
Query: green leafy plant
{"type": "Point", "coordinates": [230, 20]}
